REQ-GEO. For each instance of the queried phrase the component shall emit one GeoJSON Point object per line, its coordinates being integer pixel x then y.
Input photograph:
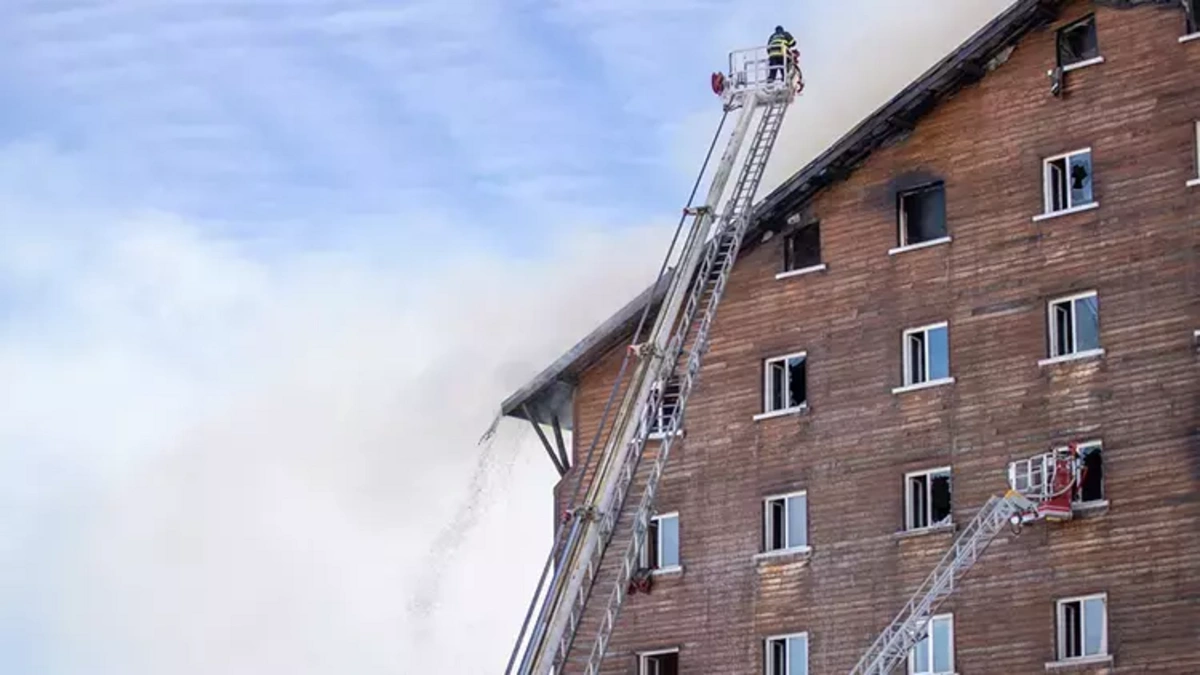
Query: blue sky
{"type": "Point", "coordinates": [267, 268]}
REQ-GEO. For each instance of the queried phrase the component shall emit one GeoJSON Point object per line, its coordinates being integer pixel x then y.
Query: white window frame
{"type": "Point", "coordinates": [908, 513]}
{"type": "Point", "coordinates": [768, 667]}
{"type": "Point", "coordinates": [1052, 330]}
{"type": "Point", "coordinates": [654, 565]}
{"type": "Point", "coordinates": [1195, 147]}
{"type": "Point", "coordinates": [767, 522]}
{"type": "Point", "coordinates": [786, 388]}
{"type": "Point", "coordinates": [1098, 58]}
{"type": "Point", "coordinates": [909, 382]}
{"type": "Point", "coordinates": [1060, 629]}
{"type": "Point", "coordinates": [1047, 201]}
{"type": "Point", "coordinates": [929, 635]}
{"type": "Point", "coordinates": [656, 428]}
{"type": "Point", "coordinates": [644, 659]}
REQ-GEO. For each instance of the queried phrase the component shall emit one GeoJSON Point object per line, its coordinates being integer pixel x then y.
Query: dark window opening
{"type": "Point", "coordinates": [1089, 485]}
{"type": "Point", "coordinates": [922, 214]}
{"type": "Point", "coordinates": [1077, 42]}
{"type": "Point", "coordinates": [786, 385]}
{"type": "Point", "coordinates": [928, 496]}
{"type": "Point", "coordinates": [802, 248]}
{"type": "Point", "coordinates": [776, 525]}
{"type": "Point", "coordinates": [664, 422]}
{"type": "Point", "coordinates": [1192, 11]}
{"type": "Point", "coordinates": [652, 545]}
{"type": "Point", "coordinates": [661, 664]}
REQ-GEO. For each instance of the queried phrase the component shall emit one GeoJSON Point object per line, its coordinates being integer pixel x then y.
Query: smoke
{"type": "Point", "coordinates": [219, 460]}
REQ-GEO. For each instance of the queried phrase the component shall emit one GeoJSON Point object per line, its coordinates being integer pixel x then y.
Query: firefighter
{"type": "Point", "coordinates": [779, 45]}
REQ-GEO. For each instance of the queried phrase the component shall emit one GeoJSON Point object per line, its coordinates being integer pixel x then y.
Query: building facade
{"type": "Point", "coordinates": [1014, 268]}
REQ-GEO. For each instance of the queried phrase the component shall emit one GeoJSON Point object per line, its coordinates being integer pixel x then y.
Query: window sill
{"type": "Point", "coordinates": [784, 555]}
{"type": "Point", "coordinates": [1077, 356]}
{"type": "Point", "coordinates": [1195, 181]}
{"type": "Point", "coordinates": [922, 531]}
{"type": "Point", "coordinates": [1066, 212]}
{"type": "Point", "coordinates": [1189, 37]}
{"type": "Point", "coordinates": [923, 385]}
{"type": "Point", "coordinates": [1083, 662]}
{"type": "Point", "coordinates": [925, 244]}
{"type": "Point", "coordinates": [675, 570]}
{"type": "Point", "coordinates": [781, 413]}
{"type": "Point", "coordinates": [1083, 64]}
{"type": "Point", "coordinates": [802, 271]}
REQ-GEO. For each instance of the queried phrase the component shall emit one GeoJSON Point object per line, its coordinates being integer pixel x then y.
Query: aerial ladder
{"type": "Point", "coordinates": [757, 90]}
{"type": "Point", "coordinates": [1039, 488]}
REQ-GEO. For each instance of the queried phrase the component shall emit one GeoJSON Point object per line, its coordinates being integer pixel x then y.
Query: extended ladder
{"type": "Point", "coordinates": [676, 344]}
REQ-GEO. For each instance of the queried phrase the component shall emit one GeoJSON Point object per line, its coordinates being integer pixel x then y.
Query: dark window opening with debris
{"type": "Point", "coordinates": [922, 214]}
{"type": "Point", "coordinates": [1089, 476]}
{"type": "Point", "coordinates": [1068, 181]}
{"type": "Point", "coordinates": [802, 248]}
{"type": "Point", "coordinates": [785, 383]}
{"type": "Point", "coordinates": [660, 664]}
{"type": "Point", "coordinates": [1077, 42]}
{"type": "Point", "coordinates": [928, 499]}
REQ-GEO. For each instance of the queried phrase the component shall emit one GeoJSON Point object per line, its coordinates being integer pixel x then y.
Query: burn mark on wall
{"type": "Point", "coordinates": [884, 196]}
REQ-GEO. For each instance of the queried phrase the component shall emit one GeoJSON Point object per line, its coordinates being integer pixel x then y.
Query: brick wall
{"type": "Point", "coordinates": [850, 450]}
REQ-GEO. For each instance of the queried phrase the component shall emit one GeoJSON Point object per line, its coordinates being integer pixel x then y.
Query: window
{"type": "Point", "coordinates": [926, 355]}
{"type": "Point", "coordinates": [659, 663]}
{"type": "Point", "coordinates": [661, 551]}
{"type": "Point", "coordinates": [785, 522]}
{"type": "Point", "coordinates": [1196, 152]}
{"type": "Point", "coordinates": [927, 499]}
{"type": "Point", "coordinates": [1192, 11]}
{"type": "Point", "coordinates": [1089, 474]}
{"type": "Point", "coordinates": [784, 385]}
{"type": "Point", "coordinates": [921, 214]}
{"type": "Point", "coordinates": [1083, 627]}
{"type": "Point", "coordinates": [934, 654]}
{"type": "Point", "coordinates": [1077, 44]}
{"type": "Point", "coordinates": [1074, 325]}
{"type": "Point", "coordinates": [786, 655]}
{"type": "Point", "coordinates": [1068, 182]}
{"type": "Point", "coordinates": [662, 423]}
{"type": "Point", "coordinates": [802, 248]}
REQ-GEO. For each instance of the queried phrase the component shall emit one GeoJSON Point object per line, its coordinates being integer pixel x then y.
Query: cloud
{"type": "Point", "coordinates": [218, 462]}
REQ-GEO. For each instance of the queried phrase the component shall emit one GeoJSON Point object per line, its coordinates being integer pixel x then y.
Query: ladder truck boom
{"type": "Point", "coordinates": [756, 86]}
{"type": "Point", "coordinates": [1039, 488]}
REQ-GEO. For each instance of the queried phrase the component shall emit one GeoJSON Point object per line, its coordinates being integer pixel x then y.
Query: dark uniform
{"type": "Point", "coordinates": [779, 45]}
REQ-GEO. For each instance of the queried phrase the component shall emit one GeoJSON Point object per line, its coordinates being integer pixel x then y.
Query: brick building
{"type": "Point", "coordinates": [1002, 260]}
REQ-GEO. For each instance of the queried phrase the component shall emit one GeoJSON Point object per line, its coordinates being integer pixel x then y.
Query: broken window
{"type": "Point", "coordinates": [1089, 474]}
{"type": "Point", "coordinates": [1074, 325]}
{"type": "Point", "coordinates": [662, 543]}
{"type": "Point", "coordinates": [664, 422]}
{"type": "Point", "coordinates": [934, 654]}
{"type": "Point", "coordinates": [785, 522]}
{"type": "Point", "coordinates": [1083, 627]}
{"type": "Point", "coordinates": [1068, 181]}
{"type": "Point", "coordinates": [786, 655]}
{"type": "Point", "coordinates": [802, 248]}
{"type": "Point", "coordinates": [659, 663]}
{"type": "Point", "coordinates": [926, 354]}
{"type": "Point", "coordinates": [1077, 42]}
{"type": "Point", "coordinates": [785, 387]}
{"type": "Point", "coordinates": [922, 214]}
{"type": "Point", "coordinates": [927, 499]}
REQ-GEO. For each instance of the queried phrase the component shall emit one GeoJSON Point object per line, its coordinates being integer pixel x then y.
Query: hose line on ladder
{"type": "Point", "coordinates": [612, 395]}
